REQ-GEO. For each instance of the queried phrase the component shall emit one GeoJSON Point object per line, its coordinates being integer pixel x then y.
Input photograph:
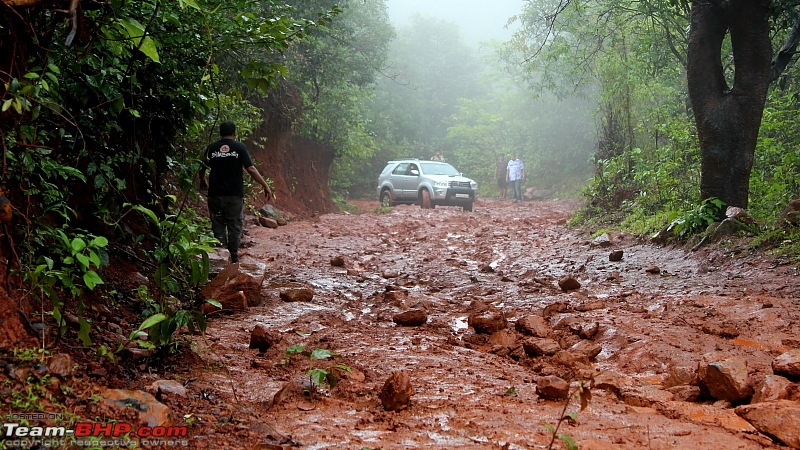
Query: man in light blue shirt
{"type": "Point", "coordinates": [515, 174]}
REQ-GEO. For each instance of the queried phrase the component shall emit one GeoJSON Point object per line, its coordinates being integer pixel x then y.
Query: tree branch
{"type": "Point", "coordinates": [786, 53]}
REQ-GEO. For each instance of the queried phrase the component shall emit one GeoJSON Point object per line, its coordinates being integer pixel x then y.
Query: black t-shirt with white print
{"type": "Point", "coordinates": [226, 158]}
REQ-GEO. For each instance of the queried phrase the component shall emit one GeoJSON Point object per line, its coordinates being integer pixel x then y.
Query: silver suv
{"type": "Point", "coordinates": [428, 183]}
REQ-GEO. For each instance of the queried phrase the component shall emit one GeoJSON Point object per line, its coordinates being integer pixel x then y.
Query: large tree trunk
{"type": "Point", "coordinates": [728, 119]}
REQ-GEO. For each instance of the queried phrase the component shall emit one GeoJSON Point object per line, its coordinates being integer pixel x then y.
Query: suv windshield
{"type": "Point", "coordinates": [432, 168]}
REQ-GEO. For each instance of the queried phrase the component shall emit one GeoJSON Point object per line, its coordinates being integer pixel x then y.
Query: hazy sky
{"type": "Point", "coordinates": [479, 20]}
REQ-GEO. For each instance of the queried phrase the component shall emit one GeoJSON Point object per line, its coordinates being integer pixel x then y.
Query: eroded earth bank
{"type": "Point", "coordinates": [674, 340]}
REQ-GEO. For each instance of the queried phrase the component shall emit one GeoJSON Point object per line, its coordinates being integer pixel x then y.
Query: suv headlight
{"type": "Point", "coordinates": [473, 185]}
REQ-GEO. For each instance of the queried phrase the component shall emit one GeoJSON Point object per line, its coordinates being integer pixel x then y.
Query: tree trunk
{"type": "Point", "coordinates": [728, 119]}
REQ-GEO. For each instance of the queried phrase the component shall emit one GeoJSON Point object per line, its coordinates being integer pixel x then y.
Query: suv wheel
{"type": "Point", "coordinates": [427, 203]}
{"type": "Point", "coordinates": [386, 199]}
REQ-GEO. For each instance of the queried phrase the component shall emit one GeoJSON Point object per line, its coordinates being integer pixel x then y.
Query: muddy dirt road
{"type": "Point", "coordinates": [638, 326]}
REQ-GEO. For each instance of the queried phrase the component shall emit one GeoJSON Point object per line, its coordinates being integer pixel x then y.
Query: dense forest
{"type": "Point", "coordinates": [657, 113]}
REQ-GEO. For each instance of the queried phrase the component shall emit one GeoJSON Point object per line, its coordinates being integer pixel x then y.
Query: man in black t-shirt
{"type": "Point", "coordinates": [226, 158]}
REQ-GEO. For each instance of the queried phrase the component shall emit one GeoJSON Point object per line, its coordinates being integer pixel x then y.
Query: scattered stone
{"type": "Point", "coordinates": [411, 318]}
{"type": "Point", "coordinates": [281, 221]}
{"type": "Point", "coordinates": [60, 365]}
{"type": "Point", "coordinates": [779, 420]}
{"type": "Point", "coordinates": [646, 396]}
{"type": "Point", "coordinates": [681, 375]}
{"type": "Point", "coordinates": [787, 364]}
{"type": "Point", "coordinates": [235, 301]}
{"type": "Point", "coordinates": [487, 322]}
{"type": "Point", "coordinates": [267, 222]}
{"type": "Point", "coordinates": [540, 347]}
{"type": "Point", "coordinates": [554, 308]}
{"type": "Point", "coordinates": [297, 295]}
{"type": "Point", "coordinates": [726, 379]}
{"type": "Point", "coordinates": [616, 255]}
{"type": "Point", "coordinates": [552, 388]}
{"type": "Point", "coordinates": [588, 348]}
{"type": "Point", "coordinates": [166, 388]}
{"type": "Point", "coordinates": [654, 270]}
{"type": "Point", "coordinates": [486, 268]}
{"type": "Point", "coordinates": [151, 413]}
{"type": "Point", "coordinates": [685, 393]}
{"type": "Point", "coordinates": [533, 325]}
{"type": "Point", "coordinates": [604, 240]}
{"type": "Point", "coordinates": [568, 283]}
{"type": "Point", "coordinates": [589, 330]}
{"type": "Point", "coordinates": [611, 382]}
{"type": "Point", "coordinates": [591, 306]}
{"type": "Point", "coordinates": [230, 281]}
{"type": "Point", "coordinates": [571, 359]}
{"type": "Point", "coordinates": [270, 211]}
{"type": "Point", "coordinates": [262, 338]}
{"type": "Point", "coordinates": [396, 392]}
{"type": "Point", "coordinates": [337, 261]}
{"type": "Point", "coordinates": [721, 329]}
{"type": "Point", "coordinates": [772, 387]}
{"type": "Point", "coordinates": [290, 391]}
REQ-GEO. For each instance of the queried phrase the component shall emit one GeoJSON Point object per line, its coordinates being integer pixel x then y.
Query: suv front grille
{"type": "Point", "coordinates": [459, 184]}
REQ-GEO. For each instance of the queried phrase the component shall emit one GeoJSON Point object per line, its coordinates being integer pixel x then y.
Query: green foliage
{"type": "Point", "coordinates": [182, 269]}
{"type": "Point", "coordinates": [319, 377]}
{"type": "Point", "coordinates": [697, 219]}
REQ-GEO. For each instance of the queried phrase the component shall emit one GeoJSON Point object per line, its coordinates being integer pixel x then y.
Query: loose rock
{"type": "Point", "coordinates": [297, 295]}
{"type": "Point", "coordinates": [787, 364]}
{"type": "Point", "coordinates": [262, 338]}
{"type": "Point", "coordinates": [779, 419]}
{"type": "Point", "coordinates": [60, 365]}
{"type": "Point", "coordinates": [533, 325]}
{"type": "Point", "coordinates": [487, 322]}
{"type": "Point", "coordinates": [540, 347]}
{"type": "Point", "coordinates": [726, 379]}
{"type": "Point", "coordinates": [552, 388]}
{"type": "Point", "coordinates": [616, 255]}
{"type": "Point", "coordinates": [411, 318]}
{"type": "Point", "coordinates": [396, 392]}
{"type": "Point", "coordinates": [568, 283]}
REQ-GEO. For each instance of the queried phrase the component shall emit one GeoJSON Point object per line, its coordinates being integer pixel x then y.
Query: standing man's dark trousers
{"type": "Point", "coordinates": [226, 222]}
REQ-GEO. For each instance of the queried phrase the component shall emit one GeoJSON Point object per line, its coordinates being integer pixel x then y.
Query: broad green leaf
{"type": "Point", "coordinates": [78, 244]}
{"type": "Point", "coordinates": [321, 353]}
{"type": "Point", "coordinates": [318, 376]}
{"type": "Point", "coordinates": [213, 302]}
{"type": "Point", "coordinates": [148, 47]}
{"type": "Point", "coordinates": [152, 320]}
{"type": "Point", "coordinates": [92, 279]}
{"type": "Point", "coordinates": [568, 441]}
{"type": "Point", "coordinates": [83, 332]}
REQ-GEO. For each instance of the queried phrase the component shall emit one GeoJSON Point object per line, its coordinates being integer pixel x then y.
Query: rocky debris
{"type": "Point", "coordinates": [680, 375]}
{"type": "Point", "coordinates": [554, 308]}
{"type": "Point", "coordinates": [604, 240]}
{"type": "Point", "coordinates": [488, 321]}
{"type": "Point", "coordinates": [166, 388]}
{"type": "Point", "coordinates": [611, 382]}
{"type": "Point", "coordinates": [396, 392]}
{"type": "Point", "coordinates": [772, 387]}
{"type": "Point", "coordinates": [270, 212]}
{"type": "Point", "coordinates": [552, 388]}
{"type": "Point", "coordinates": [788, 364]}
{"type": "Point", "coordinates": [291, 391]}
{"type": "Point", "coordinates": [779, 420]}
{"type": "Point", "coordinates": [653, 270]}
{"type": "Point", "coordinates": [297, 295]}
{"type": "Point", "coordinates": [726, 378]}
{"type": "Point", "coordinates": [267, 222]}
{"type": "Point", "coordinates": [593, 305]}
{"type": "Point", "coordinates": [568, 283]}
{"type": "Point", "coordinates": [263, 339]}
{"type": "Point", "coordinates": [533, 325]}
{"type": "Point", "coordinates": [411, 318]}
{"type": "Point", "coordinates": [685, 393]}
{"type": "Point", "coordinates": [150, 411]}
{"type": "Point", "coordinates": [533, 193]}
{"type": "Point", "coordinates": [338, 261]}
{"type": "Point", "coordinates": [540, 347]}
{"type": "Point", "coordinates": [646, 396]}
{"type": "Point", "coordinates": [790, 214]}
{"type": "Point", "coordinates": [588, 348]}
{"type": "Point", "coordinates": [722, 329]}
{"type": "Point", "coordinates": [588, 330]}
{"type": "Point", "coordinates": [576, 361]}
{"type": "Point", "coordinates": [235, 278]}
{"type": "Point", "coordinates": [60, 365]}
{"type": "Point", "coordinates": [616, 255]}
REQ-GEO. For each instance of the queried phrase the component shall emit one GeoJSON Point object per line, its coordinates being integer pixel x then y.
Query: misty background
{"type": "Point", "coordinates": [454, 80]}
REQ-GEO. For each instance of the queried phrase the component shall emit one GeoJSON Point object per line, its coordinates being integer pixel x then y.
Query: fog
{"type": "Point", "coordinates": [477, 20]}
